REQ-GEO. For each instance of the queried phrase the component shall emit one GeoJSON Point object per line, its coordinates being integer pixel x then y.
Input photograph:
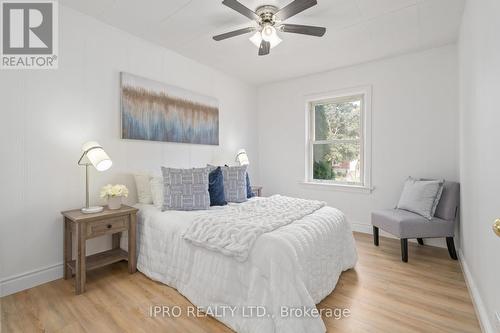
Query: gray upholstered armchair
{"type": "Point", "coordinates": [406, 225]}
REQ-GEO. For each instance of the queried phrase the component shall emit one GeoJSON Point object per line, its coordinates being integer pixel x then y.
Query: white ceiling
{"type": "Point", "coordinates": [357, 31]}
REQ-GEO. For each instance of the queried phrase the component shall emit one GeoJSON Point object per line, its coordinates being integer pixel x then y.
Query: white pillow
{"type": "Point", "coordinates": [143, 189]}
{"type": "Point", "coordinates": [156, 186]}
{"type": "Point", "coordinates": [419, 196]}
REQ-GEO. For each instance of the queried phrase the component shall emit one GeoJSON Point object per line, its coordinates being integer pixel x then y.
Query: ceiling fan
{"type": "Point", "coordinates": [269, 21]}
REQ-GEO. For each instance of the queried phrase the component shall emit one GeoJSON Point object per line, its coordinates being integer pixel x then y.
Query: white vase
{"type": "Point", "coordinates": [114, 202]}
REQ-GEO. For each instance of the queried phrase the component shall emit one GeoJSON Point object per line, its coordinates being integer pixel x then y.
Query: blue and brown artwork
{"type": "Point", "coordinates": [155, 111]}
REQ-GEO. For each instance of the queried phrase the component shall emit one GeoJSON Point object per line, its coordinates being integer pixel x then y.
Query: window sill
{"type": "Point", "coordinates": [338, 187]}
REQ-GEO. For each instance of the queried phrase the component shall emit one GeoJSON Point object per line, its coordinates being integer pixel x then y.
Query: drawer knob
{"type": "Point", "coordinates": [109, 226]}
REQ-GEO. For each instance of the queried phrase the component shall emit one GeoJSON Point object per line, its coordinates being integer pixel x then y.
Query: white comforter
{"type": "Point", "coordinates": [296, 265]}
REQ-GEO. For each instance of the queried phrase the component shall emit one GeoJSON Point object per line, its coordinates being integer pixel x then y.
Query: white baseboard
{"type": "Point", "coordinates": [30, 279]}
{"type": "Point", "coordinates": [481, 312]}
{"type": "Point", "coordinates": [361, 227]}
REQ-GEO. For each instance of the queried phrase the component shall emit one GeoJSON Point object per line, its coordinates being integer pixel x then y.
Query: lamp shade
{"type": "Point", "coordinates": [242, 157]}
{"type": "Point", "coordinates": [97, 156]}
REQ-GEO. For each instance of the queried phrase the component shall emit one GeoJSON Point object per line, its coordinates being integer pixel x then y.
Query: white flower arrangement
{"type": "Point", "coordinates": [114, 191]}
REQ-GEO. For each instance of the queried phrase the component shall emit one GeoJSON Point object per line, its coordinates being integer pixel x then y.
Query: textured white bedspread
{"type": "Point", "coordinates": [234, 230]}
{"type": "Point", "coordinates": [296, 265]}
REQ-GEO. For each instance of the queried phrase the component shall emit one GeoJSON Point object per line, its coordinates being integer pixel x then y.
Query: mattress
{"type": "Point", "coordinates": [295, 266]}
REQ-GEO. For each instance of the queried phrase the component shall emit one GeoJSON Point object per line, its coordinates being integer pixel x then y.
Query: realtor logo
{"type": "Point", "coordinates": [29, 34]}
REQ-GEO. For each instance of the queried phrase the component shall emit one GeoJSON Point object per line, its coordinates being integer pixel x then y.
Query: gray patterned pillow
{"type": "Point", "coordinates": [185, 189]}
{"type": "Point", "coordinates": [235, 183]}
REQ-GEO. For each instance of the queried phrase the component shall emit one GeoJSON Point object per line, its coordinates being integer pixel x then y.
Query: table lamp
{"type": "Point", "coordinates": [93, 154]}
{"type": "Point", "coordinates": [242, 157]}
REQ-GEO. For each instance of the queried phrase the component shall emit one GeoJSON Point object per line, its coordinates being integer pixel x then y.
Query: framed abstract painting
{"type": "Point", "coordinates": [155, 111]}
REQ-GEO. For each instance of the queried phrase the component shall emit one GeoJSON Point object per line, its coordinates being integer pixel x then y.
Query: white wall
{"type": "Point", "coordinates": [415, 128]}
{"type": "Point", "coordinates": [48, 115]}
{"type": "Point", "coordinates": [480, 154]}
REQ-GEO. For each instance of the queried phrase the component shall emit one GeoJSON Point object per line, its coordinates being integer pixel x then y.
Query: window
{"type": "Point", "coordinates": [338, 148]}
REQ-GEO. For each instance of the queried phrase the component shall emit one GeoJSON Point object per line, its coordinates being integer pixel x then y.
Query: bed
{"type": "Point", "coordinates": [292, 267]}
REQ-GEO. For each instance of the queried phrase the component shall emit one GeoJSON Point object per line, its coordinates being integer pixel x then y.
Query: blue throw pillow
{"type": "Point", "coordinates": [216, 188]}
{"type": "Point", "coordinates": [250, 194]}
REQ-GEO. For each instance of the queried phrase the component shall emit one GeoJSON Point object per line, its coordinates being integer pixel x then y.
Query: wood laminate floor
{"type": "Point", "coordinates": [383, 294]}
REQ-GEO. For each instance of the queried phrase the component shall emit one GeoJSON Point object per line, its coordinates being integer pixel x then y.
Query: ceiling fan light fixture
{"type": "Point", "coordinates": [266, 18]}
{"type": "Point", "coordinates": [256, 39]}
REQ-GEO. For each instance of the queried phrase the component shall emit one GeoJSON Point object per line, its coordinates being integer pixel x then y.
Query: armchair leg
{"type": "Point", "coordinates": [420, 241]}
{"type": "Point", "coordinates": [404, 249]}
{"type": "Point", "coordinates": [375, 235]}
{"type": "Point", "coordinates": [451, 248]}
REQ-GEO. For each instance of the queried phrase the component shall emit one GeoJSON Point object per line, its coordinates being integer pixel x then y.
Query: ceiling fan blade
{"type": "Point", "coordinates": [235, 5]}
{"type": "Point", "coordinates": [233, 33]}
{"type": "Point", "coordinates": [294, 8]}
{"type": "Point", "coordinates": [265, 48]}
{"type": "Point", "coordinates": [303, 29]}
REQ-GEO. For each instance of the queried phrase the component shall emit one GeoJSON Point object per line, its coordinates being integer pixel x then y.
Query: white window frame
{"type": "Point", "coordinates": [366, 135]}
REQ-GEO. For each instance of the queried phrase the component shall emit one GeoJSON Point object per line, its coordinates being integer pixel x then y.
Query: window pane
{"type": "Point", "coordinates": [336, 121]}
{"type": "Point", "coordinates": [340, 162]}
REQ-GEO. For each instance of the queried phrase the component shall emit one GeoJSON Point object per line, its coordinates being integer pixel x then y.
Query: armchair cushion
{"type": "Point", "coordinates": [405, 224]}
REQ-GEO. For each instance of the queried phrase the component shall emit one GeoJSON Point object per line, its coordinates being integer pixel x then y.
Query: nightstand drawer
{"type": "Point", "coordinates": [108, 226]}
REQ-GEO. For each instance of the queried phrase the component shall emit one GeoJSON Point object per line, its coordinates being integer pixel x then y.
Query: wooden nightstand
{"type": "Point", "coordinates": [257, 190]}
{"type": "Point", "coordinates": [87, 226]}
